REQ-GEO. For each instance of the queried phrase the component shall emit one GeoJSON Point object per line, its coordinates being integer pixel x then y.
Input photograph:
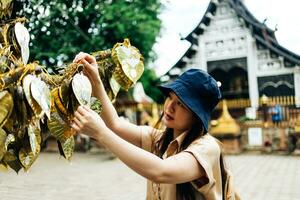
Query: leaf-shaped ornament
{"type": "Point", "coordinates": [27, 158]}
{"type": "Point", "coordinates": [67, 147]}
{"type": "Point", "coordinates": [34, 134]}
{"type": "Point", "coordinates": [41, 94]}
{"type": "Point", "coordinates": [6, 106]}
{"type": "Point", "coordinates": [22, 36]}
{"type": "Point", "coordinates": [3, 149]}
{"type": "Point", "coordinates": [60, 129]}
{"type": "Point", "coordinates": [82, 89]}
{"type": "Point", "coordinates": [12, 160]}
{"type": "Point", "coordinates": [26, 87]}
{"type": "Point", "coordinates": [129, 61]}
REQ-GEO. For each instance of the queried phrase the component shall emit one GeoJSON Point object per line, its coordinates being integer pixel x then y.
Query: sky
{"type": "Point", "coordinates": [180, 17]}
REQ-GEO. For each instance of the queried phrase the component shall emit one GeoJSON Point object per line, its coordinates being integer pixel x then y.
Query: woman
{"type": "Point", "coordinates": [182, 162]}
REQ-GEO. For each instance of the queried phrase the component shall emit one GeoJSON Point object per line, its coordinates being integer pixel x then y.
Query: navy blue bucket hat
{"type": "Point", "coordinates": [198, 91]}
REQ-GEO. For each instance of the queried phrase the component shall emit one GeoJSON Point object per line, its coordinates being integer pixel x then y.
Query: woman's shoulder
{"type": "Point", "coordinates": [149, 130]}
{"type": "Point", "coordinates": [149, 136]}
{"type": "Point", "coordinates": [206, 143]}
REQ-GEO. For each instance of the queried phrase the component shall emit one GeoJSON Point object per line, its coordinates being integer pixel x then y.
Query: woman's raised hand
{"type": "Point", "coordinates": [90, 67]}
{"type": "Point", "coordinates": [88, 122]}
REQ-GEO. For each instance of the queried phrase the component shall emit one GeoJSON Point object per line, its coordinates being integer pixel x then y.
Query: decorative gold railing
{"type": "Point", "coordinates": [290, 112]}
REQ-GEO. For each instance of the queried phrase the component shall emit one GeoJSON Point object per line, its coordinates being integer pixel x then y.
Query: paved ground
{"type": "Point", "coordinates": [96, 177]}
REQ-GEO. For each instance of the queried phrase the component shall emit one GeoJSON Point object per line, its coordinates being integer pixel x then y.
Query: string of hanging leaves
{"type": "Point", "coordinates": [35, 104]}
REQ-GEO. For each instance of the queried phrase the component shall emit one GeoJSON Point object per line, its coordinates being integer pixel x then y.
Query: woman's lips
{"type": "Point", "coordinates": [168, 117]}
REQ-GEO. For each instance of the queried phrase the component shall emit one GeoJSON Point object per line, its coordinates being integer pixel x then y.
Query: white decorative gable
{"type": "Point", "coordinates": [226, 36]}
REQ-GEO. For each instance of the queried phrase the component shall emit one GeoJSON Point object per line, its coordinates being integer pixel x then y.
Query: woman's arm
{"type": "Point", "coordinates": [123, 128]}
{"type": "Point", "coordinates": [180, 168]}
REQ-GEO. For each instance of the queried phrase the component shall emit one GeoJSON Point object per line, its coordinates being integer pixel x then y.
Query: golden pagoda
{"type": "Point", "coordinates": [225, 125]}
{"type": "Point", "coordinates": [227, 130]}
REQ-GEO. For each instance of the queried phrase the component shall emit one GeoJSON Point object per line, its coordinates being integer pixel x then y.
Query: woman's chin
{"type": "Point", "coordinates": [168, 123]}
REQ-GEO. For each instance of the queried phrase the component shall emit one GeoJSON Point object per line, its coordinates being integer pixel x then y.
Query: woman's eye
{"type": "Point", "coordinates": [180, 104]}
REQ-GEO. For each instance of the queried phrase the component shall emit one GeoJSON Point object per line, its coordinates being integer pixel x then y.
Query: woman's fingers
{"type": "Point", "coordinates": [80, 56]}
{"type": "Point", "coordinates": [90, 58]}
{"type": "Point", "coordinates": [77, 122]}
{"type": "Point", "coordinates": [75, 127]}
{"type": "Point", "coordinates": [79, 116]}
{"type": "Point", "coordinates": [88, 65]}
{"type": "Point", "coordinates": [84, 57]}
{"type": "Point", "coordinates": [82, 110]}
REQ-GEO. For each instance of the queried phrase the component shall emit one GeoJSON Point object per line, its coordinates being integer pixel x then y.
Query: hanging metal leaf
{"type": "Point", "coordinates": [6, 106]}
{"type": "Point", "coordinates": [64, 92]}
{"type": "Point", "coordinates": [67, 147]}
{"type": "Point", "coordinates": [20, 106]}
{"type": "Point", "coordinates": [3, 149]}
{"type": "Point", "coordinates": [41, 94]}
{"type": "Point", "coordinates": [3, 167]}
{"type": "Point", "coordinates": [27, 157]}
{"type": "Point", "coordinates": [12, 160]}
{"type": "Point", "coordinates": [82, 89]}
{"type": "Point", "coordinates": [34, 134]}
{"type": "Point", "coordinates": [22, 36]}
{"type": "Point", "coordinates": [58, 103]}
{"type": "Point", "coordinates": [9, 140]}
{"type": "Point", "coordinates": [26, 87]}
{"type": "Point", "coordinates": [115, 87]}
{"type": "Point", "coordinates": [73, 103]}
{"type": "Point", "coordinates": [58, 127]}
{"type": "Point", "coordinates": [129, 63]}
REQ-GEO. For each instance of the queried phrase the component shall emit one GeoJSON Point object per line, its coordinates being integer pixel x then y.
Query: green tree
{"type": "Point", "coordinates": [60, 29]}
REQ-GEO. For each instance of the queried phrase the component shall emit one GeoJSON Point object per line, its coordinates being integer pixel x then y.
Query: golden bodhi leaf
{"type": "Point", "coordinates": [6, 106]}
{"type": "Point", "coordinates": [35, 139]}
{"type": "Point", "coordinates": [58, 102]}
{"type": "Point", "coordinates": [64, 92]}
{"type": "Point", "coordinates": [26, 87]}
{"type": "Point", "coordinates": [22, 37]}
{"type": "Point", "coordinates": [41, 94]}
{"type": "Point", "coordinates": [27, 157]}
{"type": "Point", "coordinates": [82, 89]}
{"type": "Point", "coordinates": [58, 127]}
{"type": "Point", "coordinates": [10, 158]}
{"type": "Point", "coordinates": [67, 147]}
{"type": "Point", "coordinates": [129, 64]}
{"type": "Point", "coordinates": [2, 143]}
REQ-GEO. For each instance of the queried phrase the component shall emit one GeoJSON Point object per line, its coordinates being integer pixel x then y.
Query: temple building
{"type": "Point", "coordinates": [241, 53]}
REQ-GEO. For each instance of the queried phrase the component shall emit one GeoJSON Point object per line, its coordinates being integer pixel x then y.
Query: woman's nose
{"type": "Point", "coordinates": [171, 106]}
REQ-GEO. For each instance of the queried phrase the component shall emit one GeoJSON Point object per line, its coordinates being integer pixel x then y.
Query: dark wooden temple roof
{"type": "Point", "coordinates": [264, 36]}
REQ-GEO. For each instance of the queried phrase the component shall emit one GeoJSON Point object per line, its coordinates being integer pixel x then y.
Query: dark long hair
{"type": "Point", "coordinates": [185, 190]}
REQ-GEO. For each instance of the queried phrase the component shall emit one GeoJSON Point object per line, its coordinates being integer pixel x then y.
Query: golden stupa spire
{"type": "Point", "coordinates": [225, 125]}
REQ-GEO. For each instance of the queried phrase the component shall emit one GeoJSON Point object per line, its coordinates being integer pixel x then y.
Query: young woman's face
{"type": "Point", "coordinates": [177, 115]}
